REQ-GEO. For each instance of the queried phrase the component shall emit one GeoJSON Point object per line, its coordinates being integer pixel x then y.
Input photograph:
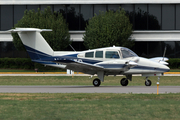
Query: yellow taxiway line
{"type": "Point", "coordinates": [61, 73]}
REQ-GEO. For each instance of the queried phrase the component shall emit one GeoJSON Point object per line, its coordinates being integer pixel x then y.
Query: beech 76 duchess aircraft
{"type": "Point", "coordinates": [102, 61]}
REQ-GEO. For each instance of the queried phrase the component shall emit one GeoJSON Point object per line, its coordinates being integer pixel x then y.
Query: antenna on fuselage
{"type": "Point", "coordinates": [72, 48]}
{"type": "Point", "coordinates": [164, 52]}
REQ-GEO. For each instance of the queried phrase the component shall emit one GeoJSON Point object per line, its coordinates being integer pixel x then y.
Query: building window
{"type": "Point", "coordinates": [86, 14]}
{"type": "Point", "coordinates": [6, 17]}
{"type": "Point", "coordinates": [73, 17]}
{"type": "Point", "coordinates": [141, 15]}
{"type": "Point", "coordinates": [98, 8]}
{"type": "Point", "coordinates": [177, 17]}
{"type": "Point", "coordinates": [168, 17]}
{"type": "Point", "coordinates": [32, 7]}
{"type": "Point", "coordinates": [113, 7]}
{"type": "Point", "coordinates": [154, 17]}
{"type": "Point", "coordinates": [18, 12]}
{"type": "Point", "coordinates": [130, 12]}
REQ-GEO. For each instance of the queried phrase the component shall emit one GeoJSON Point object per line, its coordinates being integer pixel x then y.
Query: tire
{"type": "Point", "coordinates": [96, 82]}
{"type": "Point", "coordinates": [148, 83]}
{"type": "Point", "coordinates": [124, 82]}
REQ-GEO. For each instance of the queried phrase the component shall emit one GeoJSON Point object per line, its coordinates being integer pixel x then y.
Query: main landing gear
{"type": "Point", "coordinates": [124, 81]}
{"type": "Point", "coordinates": [96, 82]}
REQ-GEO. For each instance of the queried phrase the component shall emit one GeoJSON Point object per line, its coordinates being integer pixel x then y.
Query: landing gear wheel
{"type": "Point", "coordinates": [96, 82]}
{"type": "Point", "coordinates": [148, 83]}
{"type": "Point", "coordinates": [124, 82]}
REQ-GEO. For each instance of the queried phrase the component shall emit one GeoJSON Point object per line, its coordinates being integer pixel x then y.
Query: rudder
{"type": "Point", "coordinates": [35, 44]}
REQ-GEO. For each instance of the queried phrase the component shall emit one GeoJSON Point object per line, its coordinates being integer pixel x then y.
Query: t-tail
{"type": "Point", "coordinates": [36, 45]}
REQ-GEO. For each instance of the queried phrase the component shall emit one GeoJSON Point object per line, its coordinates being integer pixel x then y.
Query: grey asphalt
{"type": "Point", "coordinates": [89, 89]}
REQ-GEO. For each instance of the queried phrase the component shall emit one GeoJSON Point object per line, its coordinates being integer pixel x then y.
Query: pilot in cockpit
{"type": "Point", "coordinates": [115, 55]}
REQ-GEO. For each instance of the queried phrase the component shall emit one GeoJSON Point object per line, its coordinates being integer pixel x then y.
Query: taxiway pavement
{"type": "Point", "coordinates": [89, 89]}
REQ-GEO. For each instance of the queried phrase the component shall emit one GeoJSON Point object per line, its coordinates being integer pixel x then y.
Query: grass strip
{"type": "Point", "coordinates": [80, 106]}
{"type": "Point", "coordinates": [84, 80]}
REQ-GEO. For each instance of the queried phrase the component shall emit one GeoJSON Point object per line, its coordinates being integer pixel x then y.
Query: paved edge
{"type": "Point", "coordinates": [62, 73]}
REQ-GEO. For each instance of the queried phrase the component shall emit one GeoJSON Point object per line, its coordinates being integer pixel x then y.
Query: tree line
{"type": "Point", "coordinates": [103, 30]}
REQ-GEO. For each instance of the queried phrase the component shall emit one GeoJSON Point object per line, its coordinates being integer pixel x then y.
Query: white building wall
{"type": "Point", "coordinates": [19, 2]}
{"type": "Point", "coordinates": [137, 36]}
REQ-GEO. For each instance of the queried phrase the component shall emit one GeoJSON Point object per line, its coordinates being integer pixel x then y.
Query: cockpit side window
{"type": "Point", "coordinates": [112, 54]}
{"type": "Point", "coordinates": [127, 53]}
{"type": "Point", "coordinates": [99, 54]}
{"type": "Point", "coordinates": [89, 54]}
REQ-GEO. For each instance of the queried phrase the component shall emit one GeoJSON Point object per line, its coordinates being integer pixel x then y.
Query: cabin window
{"type": "Point", "coordinates": [112, 54]}
{"type": "Point", "coordinates": [127, 53]}
{"type": "Point", "coordinates": [99, 54]}
{"type": "Point", "coordinates": [89, 54]}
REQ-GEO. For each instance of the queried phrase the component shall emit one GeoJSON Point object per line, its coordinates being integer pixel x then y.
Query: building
{"type": "Point", "coordinates": [156, 23]}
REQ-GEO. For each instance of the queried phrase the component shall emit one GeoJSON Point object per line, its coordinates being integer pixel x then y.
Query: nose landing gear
{"type": "Point", "coordinates": [147, 82]}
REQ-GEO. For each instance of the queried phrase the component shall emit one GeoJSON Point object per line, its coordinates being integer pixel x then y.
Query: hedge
{"type": "Point", "coordinates": [174, 63]}
{"type": "Point", "coordinates": [26, 63]}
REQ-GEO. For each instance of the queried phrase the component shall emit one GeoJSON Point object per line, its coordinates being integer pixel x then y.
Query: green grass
{"type": "Point", "coordinates": [83, 80]}
{"type": "Point", "coordinates": [93, 106]}
{"type": "Point", "coordinates": [61, 70]}
{"type": "Point", "coordinates": [16, 70]}
{"type": "Point", "coordinates": [30, 70]}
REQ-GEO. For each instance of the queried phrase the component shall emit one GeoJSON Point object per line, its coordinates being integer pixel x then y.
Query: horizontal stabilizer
{"type": "Point", "coordinates": [28, 30]}
{"type": "Point", "coordinates": [34, 42]}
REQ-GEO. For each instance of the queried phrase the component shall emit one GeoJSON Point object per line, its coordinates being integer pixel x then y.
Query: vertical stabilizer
{"type": "Point", "coordinates": [35, 44]}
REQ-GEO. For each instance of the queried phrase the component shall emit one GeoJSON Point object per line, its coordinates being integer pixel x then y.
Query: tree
{"type": "Point", "coordinates": [107, 29]}
{"type": "Point", "coordinates": [58, 39]}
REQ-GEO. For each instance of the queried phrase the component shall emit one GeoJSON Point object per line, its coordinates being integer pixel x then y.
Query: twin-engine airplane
{"type": "Point", "coordinates": [102, 61]}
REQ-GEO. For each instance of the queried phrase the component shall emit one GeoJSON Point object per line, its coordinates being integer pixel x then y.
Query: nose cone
{"type": "Point", "coordinates": [162, 68]}
{"type": "Point", "coordinates": [166, 68]}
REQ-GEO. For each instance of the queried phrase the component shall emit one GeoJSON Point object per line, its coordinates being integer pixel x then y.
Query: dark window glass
{"type": "Point", "coordinates": [99, 54]}
{"type": "Point", "coordinates": [127, 8]}
{"type": "Point", "coordinates": [155, 49]}
{"type": "Point", "coordinates": [61, 9]}
{"type": "Point", "coordinates": [98, 8]}
{"type": "Point", "coordinates": [127, 53]}
{"type": "Point", "coordinates": [130, 12]}
{"type": "Point", "coordinates": [86, 14]}
{"type": "Point", "coordinates": [154, 17]}
{"type": "Point", "coordinates": [32, 7]}
{"type": "Point", "coordinates": [6, 17]}
{"type": "Point", "coordinates": [113, 7]}
{"type": "Point", "coordinates": [45, 7]}
{"type": "Point", "coordinates": [171, 48]}
{"type": "Point", "coordinates": [73, 17]}
{"type": "Point", "coordinates": [141, 48]}
{"type": "Point", "coordinates": [177, 53]}
{"type": "Point", "coordinates": [168, 15]}
{"type": "Point", "coordinates": [140, 17]}
{"type": "Point", "coordinates": [18, 12]}
{"type": "Point", "coordinates": [78, 46]}
{"type": "Point", "coordinates": [112, 54]}
{"type": "Point", "coordinates": [177, 17]}
{"type": "Point", "coordinates": [89, 54]}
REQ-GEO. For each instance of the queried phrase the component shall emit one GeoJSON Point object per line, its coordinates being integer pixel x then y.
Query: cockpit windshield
{"type": "Point", "coordinates": [128, 53]}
